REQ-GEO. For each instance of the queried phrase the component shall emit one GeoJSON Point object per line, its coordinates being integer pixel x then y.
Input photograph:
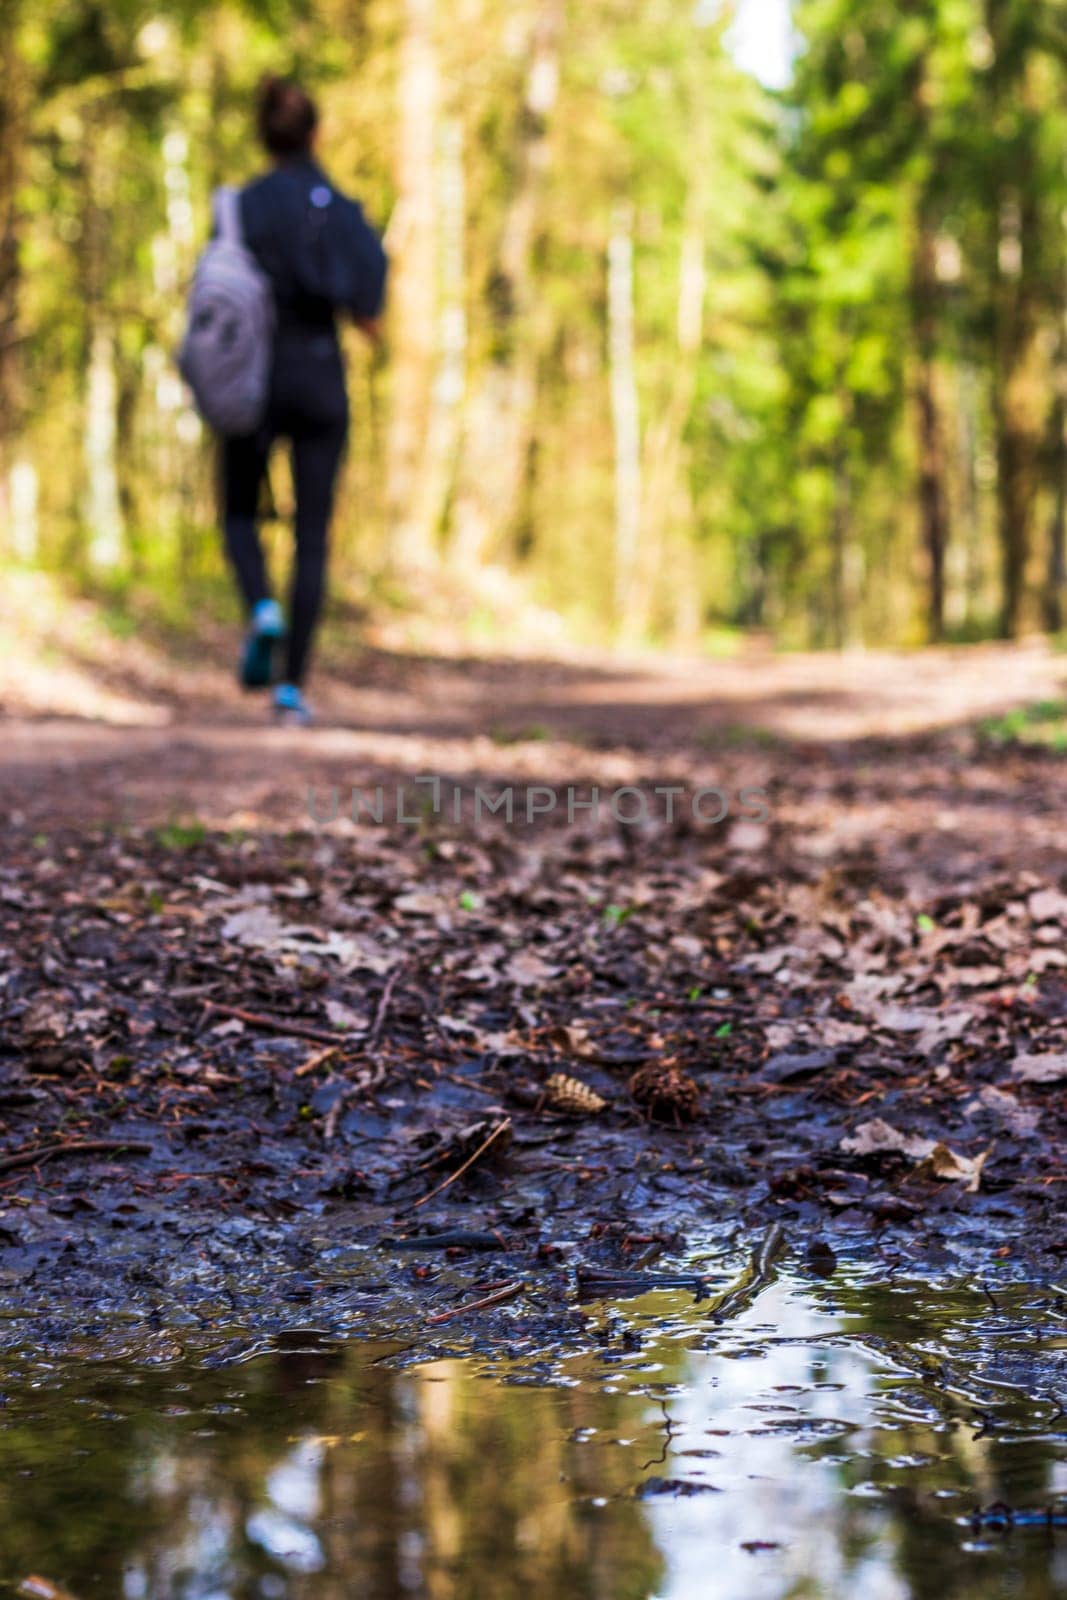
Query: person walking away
{"type": "Point", "coordinates": [320, 257]}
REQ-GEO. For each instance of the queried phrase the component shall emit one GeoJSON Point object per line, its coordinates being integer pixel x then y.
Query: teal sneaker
{"type": "Point", "coordinates": [290, 706]}
{"type": "Point", "coordinates": [266, 630]}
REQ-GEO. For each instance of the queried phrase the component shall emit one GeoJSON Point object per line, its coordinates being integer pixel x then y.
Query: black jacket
{"type": "Point", "coordinates": [315, 245]}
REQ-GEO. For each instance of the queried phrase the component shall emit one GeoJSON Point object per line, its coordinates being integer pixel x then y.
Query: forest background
{"type": "Point", "coordinates": [670, 353]}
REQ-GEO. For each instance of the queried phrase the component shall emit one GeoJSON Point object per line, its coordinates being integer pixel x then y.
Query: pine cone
{"type": "Point", "coordinates": [665, 1093]}
{"type": "Point", "coordinates": [563, 1093]}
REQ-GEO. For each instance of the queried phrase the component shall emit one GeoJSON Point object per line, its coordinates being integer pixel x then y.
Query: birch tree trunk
{"type": "Point", "coordinates": [625, 414]}
{"type": "Point", "coordinates": [496, 432]}
{"type": "Point", "coordinates": [412, 245]}
{"type": "Point", "coordinates": [664, 558]}
{"type": "Point", "coordinates": [103, 513]}
{"type": "Point", "coordinates": [102, 508]}
{"type": "Point", "coordinates": [434, 479]}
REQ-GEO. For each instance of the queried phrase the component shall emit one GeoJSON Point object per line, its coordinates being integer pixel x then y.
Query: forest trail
{"type": "Point", "coordinates": [106, 728]}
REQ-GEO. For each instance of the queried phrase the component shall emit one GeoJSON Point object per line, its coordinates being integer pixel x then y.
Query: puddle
{"type": "Point", "coordinates": [832, 1439]}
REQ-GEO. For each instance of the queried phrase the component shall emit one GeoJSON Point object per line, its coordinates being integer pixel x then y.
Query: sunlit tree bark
{"type": "Point", "coordinates": [499, 413]}
{"type": "Point", "coordinates": [625, 413]}
{"type": "Point", "coordinates": [413, 291]}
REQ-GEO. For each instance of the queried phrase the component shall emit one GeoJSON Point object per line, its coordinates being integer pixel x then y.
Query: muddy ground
{"type": "Point", "coordinates": [261, 1069]}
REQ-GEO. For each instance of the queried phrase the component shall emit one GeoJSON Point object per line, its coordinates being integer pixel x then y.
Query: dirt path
{"type": "Point", "coordinates": [836, 1001]}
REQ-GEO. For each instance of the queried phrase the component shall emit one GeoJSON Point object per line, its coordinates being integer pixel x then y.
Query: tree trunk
{"type": "Point", "coordinates": [413, 298]}
{"type": "Point", "coordinates": [496, 433]}
{"type": "Point", "coordinates": [933, 505]}
{"type": "Point", "coordinates": [1017, 405]}
{"type": "Point", "coordinates": [846, 561]}
{"type": "Point", "coordinates": [442, 433]}
{"type": "Point", "coordinates": [102, 515]}
{"type": "Point", "coordinates": [12, 143]}
{"type": "Point", "coordinates": [1056, 573]}
{"type": "Point", "coordinates": [103, 512]}
{"type": "Point", "coordinates": [666, 498]}
{"type": "Point", "coordinates": [1017, 389]}
{"type": "Point", "coordinates": [624, 413]}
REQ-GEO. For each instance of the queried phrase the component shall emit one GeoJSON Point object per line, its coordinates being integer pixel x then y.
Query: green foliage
{"type": "Point", "coordinates": [783, 341]}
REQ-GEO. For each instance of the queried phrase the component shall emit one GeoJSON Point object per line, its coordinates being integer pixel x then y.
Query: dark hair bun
{"type": "Point", "coordinates": [286, 116]}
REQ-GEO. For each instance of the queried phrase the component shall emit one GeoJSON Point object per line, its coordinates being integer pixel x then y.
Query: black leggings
{"type": "Point", "coordinates": [316, 456]}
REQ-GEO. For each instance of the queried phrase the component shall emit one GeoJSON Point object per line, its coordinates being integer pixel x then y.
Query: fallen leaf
{"type": "Point", "coordinates": [1048, 1068]}
{"type": "Point", "coordinates": [259, 928]}
{"type": "Point", "coordinates": [951, 1167]}
{"type": "Point", "coordinates": [900, 1019]}
{"type": "Point", "coordinates": [1048, 905]}
{"type": "Point", "coordinates": [528, 970]}
{"type": "Point", "coordinates": [833, 1033]}
{"type": "Point", "coordinates": [877, 1136]}
{"type": "Point", "coordinates": [573, 1038]}
{"type": "Point", "coordinates": [789, 1065]}
{"type": "Point", "coordinates": [341, 1016]}
{"type": "Point", "coordinates": [1005, 1108]}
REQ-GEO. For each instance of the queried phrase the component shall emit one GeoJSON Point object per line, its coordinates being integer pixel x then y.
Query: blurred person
{"type": "Point", "coordinates": [320, 257]}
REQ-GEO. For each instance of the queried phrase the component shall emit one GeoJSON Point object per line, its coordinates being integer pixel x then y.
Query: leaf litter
{"type": "Point", "coordinates": [300, 1042]}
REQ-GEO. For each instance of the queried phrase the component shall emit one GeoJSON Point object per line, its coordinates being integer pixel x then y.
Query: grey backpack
{"type": "Point", "coordinates": [225, 356]}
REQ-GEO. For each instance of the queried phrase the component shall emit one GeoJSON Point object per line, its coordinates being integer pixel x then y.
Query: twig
{"type": "Point", "coordinates": [756, 1276]}
{"type": "Point", "coordinates": [482, 1148]}
{"type": "Point", "coordinates": [668, 1435]}
{"type": "Point", "coordinates": [367, 1080]}
{"type": "Point", "coordinates": [605, 1282]}
{"type": "Point", "coordinates": [508, 1292]}
{"type": "Point", "coordinates": [46, 1152]}
{"type": "Point", "coordinates": [467, 1083]}
{"type": "Point", "coordinates": [371, 1079]}
{"type": "Point", "coordinates": [298, 1030]}
{"type": "Point", "coordinates": [315, 1060]}
{"type": "Point", "coordinates": [383, 1007]}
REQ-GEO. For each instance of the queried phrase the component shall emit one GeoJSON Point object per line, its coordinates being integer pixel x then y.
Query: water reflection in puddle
{"type": "Point", "coordinates": [830, 1441]}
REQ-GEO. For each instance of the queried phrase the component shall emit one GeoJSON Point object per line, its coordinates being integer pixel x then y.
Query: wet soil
{"type": "Point", "coordinates": [255, 1063]}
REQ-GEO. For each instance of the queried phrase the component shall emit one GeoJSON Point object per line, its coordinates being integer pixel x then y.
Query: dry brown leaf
{"type": "Point", "coordinates": [951, 1167]}
{"type": "Point", "coordinates": [935, 1158]}
{"type": "Point", "coordinates": [573, 1038]}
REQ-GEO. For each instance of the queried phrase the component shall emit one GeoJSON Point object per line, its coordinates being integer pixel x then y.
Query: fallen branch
{"type": "Point", "coordinates": [451, 1239]}
{"type": "Point", "coordinates": [482, 1148]}
{"type": "Point", "coordinates": [509, 1292]}
{"type": "Point", "coordinates": [48, 1152]}
{"type": "Point", "coordinates": [298, 1030]}
{"type": "Point", "coordinates": [756, 1276]}
{"type": "Point", "coordinates": [602, 1283]}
